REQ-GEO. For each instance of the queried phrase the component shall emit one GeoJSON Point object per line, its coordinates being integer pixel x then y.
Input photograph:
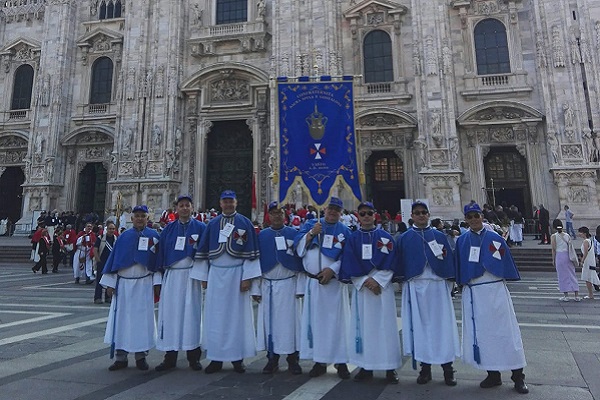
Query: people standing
{"type": "Point", "coordinates": [83, 260]}
{"type": "Point", "coordinates": [564, 259]}
{"type": "Point", "coordinates": [369, 263]}
{"type": "Point", "coordinates": [429, 330]}
{"type": "Point", "coordinates": [180, 305]}
{"type": "Point", "coordinates": [588, 262]}
{"type": "Point", "coordinates": [70, 241]}
{"type": "Point", "coordinates": [282, 286]}
{"type": "Point", "coordinates": [544, 219]}
{"type": "Point", "coordinates": [58, 249]}
{"type": "Point", "coordinates": [569, 221]}
{"type": "Point", "coordinates": [326, 310]}
{"type": "Point", "coordinates": [491, 335]}
{"type": "Point", "coordinates": [129, 275]}
{"type": "Point", "coordinates": [102, 249]}
{"type": "Point", "coordinates": [229, 263]}
{"type": "Point", "coordinates": [42, 249]}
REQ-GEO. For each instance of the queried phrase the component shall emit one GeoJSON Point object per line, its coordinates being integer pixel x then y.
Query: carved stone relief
{"type": "Point", "coordinates": [571, 151]}
{"type": "Point", "coordinates": [22, 10]}
{"type": "Point", "coordinates": [431, 58]}
{"type": "Point", "coordinates": [442, 197]}
{"type": "Point", "coordinates": [557, 47]}
{"type": "Point", "coordinates": [380, 120]}
{"type": "Point", "coordinates": [226, 90]}
{"type": "Point", "coordinates": [578, 194]}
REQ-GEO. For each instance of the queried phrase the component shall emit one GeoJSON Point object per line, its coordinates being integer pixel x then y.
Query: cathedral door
{"type": "Point", "coordinates": [385, 181]}
{"type": "Point", "coordinates": [229, 164]}
{"type": "Point", "coordinates": [92, 190]}
{"type": "Point", "coordinates": [506, 178]}
{"type": "Point", "coordinates": [11, 193]}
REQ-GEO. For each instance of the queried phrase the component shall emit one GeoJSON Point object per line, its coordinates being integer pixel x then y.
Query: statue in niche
{"type": "Point", "coordinates": [156, 136]}
{"type": "Point", "coordinates": [553, 142]}
{"type": "Point", "coordinates": [45, 92]}
{"type": "Point", "coordinates": [588, 141]}
{"type": "Point", "coordinates": [453, 148]}
{"type": "Point", "coordinates": [130, 85]}
{"type": "Point", "coordinates": [421, 147]}
{"type": "Point", "coordinates": [39, 143]}
{"type": "Point", "coordinates": [128, 135]}
{"type": "Point", "coordinates": [569, 115]}
{"type": "Point", "coordinates": [261, 10]}
{"type": "Point", "coordinates": [197, 20]}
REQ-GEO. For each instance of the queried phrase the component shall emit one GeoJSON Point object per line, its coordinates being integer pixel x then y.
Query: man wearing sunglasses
{"type": "Point", "coordinates": [426, 265]}
{"type": "Point", "coordinates": [491, 334]}
{"type": "Point", "coordinates": [326, 307]}
{"type": "Point", "coordinates": [368, 262]}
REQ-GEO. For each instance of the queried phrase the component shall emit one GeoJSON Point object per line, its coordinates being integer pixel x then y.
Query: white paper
{"type": "Point", "coordinates": [367, 251]}
{"type": "Point", "coordinates": [435, 248]}
{"type": "Point", "coordinates": [280, 243]}
{"type": "Point", "coordinates": [474, 254]}
{"type": "Point", "coordinates": [143, 244]}
{"type": "Point", "coordinates": [328, 241]}
{"type": "Point", "coordinates": [180, 243]}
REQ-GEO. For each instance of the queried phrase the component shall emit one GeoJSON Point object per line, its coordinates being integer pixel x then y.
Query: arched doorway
{"type": "Point", "coordinates": [11, 193]}
{"type": "Point", "coordinates": [229, 164]}
{"type": "Point", "coordinates": [507, 179]}
{"type": "Point", "coordinates": [385, 180]}
{"type": "Point", "coordinates": [92, 190]}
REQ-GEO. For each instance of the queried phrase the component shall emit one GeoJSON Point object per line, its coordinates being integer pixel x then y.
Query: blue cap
{"type": "Point", "coordinates": [140, 208]}
{"type": "Point", "coordinates": [228, 194]}
{"type": "Point", "coordinates": [185, 197]}
{"type": "Point", "coordinates": [336, 202]}
{"type": "Point", "coordinates": [419, 203]}
{"type": "Point", "coordinates": [272, 205]}
{"type": "Point", "coordinates": [472, 207]}
{"type": "Point", "coordinates": [366, 204]}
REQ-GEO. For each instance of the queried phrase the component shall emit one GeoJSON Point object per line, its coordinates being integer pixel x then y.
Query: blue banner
{"type": "Point", "coordinates": [317, 139]}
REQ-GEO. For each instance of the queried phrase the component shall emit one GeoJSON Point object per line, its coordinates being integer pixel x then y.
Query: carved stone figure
{"type": "Point", "coordinates": [557, 48]}
{"type": "Point", "coordinates": [156, 135]}
{"type": "Point", "coordinates": [130, 85]}
{"type": "Point", "coordinates": [261, 10]}
{"type": "Point", "coordinates": [127, 136]}
{"type": "Point", "coordinates": [569, 115]}
{"type": "Point", "coordinates": [553, 143]}
{"type": "Point", "coordinates": [197, 12]}
{"type": "Point", "coordinates": [159, 87]}
{"type": "Point", "coordinates": [45, 92]}
{"type": "Point", "coordinates": [39, 143]}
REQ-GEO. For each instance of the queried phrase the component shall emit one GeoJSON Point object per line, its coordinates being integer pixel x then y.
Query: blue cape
{"type": "Point", "coordinates": [270, 256]}
{"type": "Point", "coordinates": [415, 253]}
{"type": "Point", "coordinates": [339, 231]}
{"type": "Point", "coordinates": [383, 253]}
{"type": "Point", "coordinates": [242, 243]}
{"type": "Point", "coordinates": [167, 255]}
{"type": "Point", "coordinates": [494, 257]}
{"type": "Point", "coordinates": [125, 252]}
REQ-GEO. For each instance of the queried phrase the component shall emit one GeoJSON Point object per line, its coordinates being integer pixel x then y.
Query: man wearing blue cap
{"type": "Point", "coordinates": [491, 334]}
{"type": "Point", "coordinates": [429, 329]}
{"type": "Point", "coordinates": [326, 307]}
{"type": "Point", "coordinates": [180, 306]}
{"type": "Point", "coordinates": [278, 325]}
{"type": "Point", "coordinates": [368, 262]}
{"type": "Point", "coordinates": [228, 253]}
{"type": "Point", "coordinates": [129, 275]}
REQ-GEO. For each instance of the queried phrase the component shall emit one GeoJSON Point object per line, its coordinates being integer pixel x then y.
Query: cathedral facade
{"type": "Point", "coordinates": [111, 103]}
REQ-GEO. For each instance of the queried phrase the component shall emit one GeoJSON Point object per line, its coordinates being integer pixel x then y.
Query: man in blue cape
{"type": "Point", "coordinates": [491, 334]}
{"type": "Point", "coordinates": [429, 329]}
{"type": "Point", "coordinates": [129, 275]}
{"type": "Point", "coordinates": [180, 306]}
{"type": "Point", "coordinates": [368, 262]}
{"type": "Point", "coordinates": [326, 310]}
{"type": "Point", "coordinates": [229, 262]}
{"type": "Point", "coordinates": [278, 325]}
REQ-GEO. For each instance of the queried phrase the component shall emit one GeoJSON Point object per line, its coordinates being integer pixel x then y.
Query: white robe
{"type": "Point", "coordinates": [326, 311]}
{"type": "Point", "coordinates": [377, 324]}
{"type": "Point", "coordinates": [515, 232]}
{"type": "Point", "coordinates": [429, 321]}
{"type": "Point", "coordinates": [134, 304]}
{"type": "Point", "coordinates": [87, 270]}
{"type": "Point", "coordinates": [498, 333]}
{"type": "Point", "coordinates": [228, 324]}
{"type": "Point", "coordinates": [179, 309]}
{"type": "Point", "coordinates": [283, 321]}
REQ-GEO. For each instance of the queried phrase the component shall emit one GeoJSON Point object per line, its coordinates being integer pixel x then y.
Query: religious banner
{"type": "Point", "coordinates": [317, 139]}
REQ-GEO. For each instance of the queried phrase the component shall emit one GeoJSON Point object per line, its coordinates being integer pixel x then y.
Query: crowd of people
{"type": "Point", "coordinates": [301, 276]}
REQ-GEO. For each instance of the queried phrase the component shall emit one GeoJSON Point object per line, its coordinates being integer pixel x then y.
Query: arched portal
{"type": "Point", "coordinates": [11, 193]}
{"type": "Point", "coordinates": [385, 180]}
{"type": "Point", "coordinates": [92, 190]}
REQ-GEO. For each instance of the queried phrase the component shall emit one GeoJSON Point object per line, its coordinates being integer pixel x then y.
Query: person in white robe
{"type": "Point", "coordinates": [369, 263]}
{"type": "Point", "coordinates": [129, 276]}
{"type": "Point", "coordinates": [279, 297]}
{"type": "Point", "coordinates": [83, 259]}
{"type": "Point", "coordinates": [180, 305]}
{"type": "Point", "coordinates": [229, 262]}
{"type": "Point", "coordinates": [491, 336]}
{"type": "Point", "coordinates": [426, 265]}
{"type": "Point", "coordinates": [326, 308]}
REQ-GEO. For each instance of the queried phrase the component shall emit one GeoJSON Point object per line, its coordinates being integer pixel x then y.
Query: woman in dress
{"type": "Point", "coordinates": [588, 262]}
{"type": "Point", "coordinates": [567, 280]}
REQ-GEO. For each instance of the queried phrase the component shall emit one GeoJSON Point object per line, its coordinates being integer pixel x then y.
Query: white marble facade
{"type": "Point", "coordinates": [176, 72]}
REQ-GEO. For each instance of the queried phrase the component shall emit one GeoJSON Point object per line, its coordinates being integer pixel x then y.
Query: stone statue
{"type": "Point", "coordinates": [156, 136]}
{"type": "Point", "coordinates": [569, 115]}
{"type": "Point", "coordinates": [128, 135]}
{"type": "Point", "coordinates": [130, 85]}
{"type": "Point", "coordinates": [39, 143]}
{"type": "Point", "coordinates": [261, 10]}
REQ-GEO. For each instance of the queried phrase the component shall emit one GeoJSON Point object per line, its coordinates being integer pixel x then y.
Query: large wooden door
{"type": "Point", "coordinates": [92, 190]}
{"type": "Point", "coordinates": [385, 181]}
{"type": "Point", "coordinates": [11, 193]}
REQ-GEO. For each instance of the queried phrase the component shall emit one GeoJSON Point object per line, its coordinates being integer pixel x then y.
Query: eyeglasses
{"type": "Point", "coordinates": [420, 212]}
{"type": "Point", "coordinates": [472, 216]}
{"type": "Point", "coordinates": [363, 213]}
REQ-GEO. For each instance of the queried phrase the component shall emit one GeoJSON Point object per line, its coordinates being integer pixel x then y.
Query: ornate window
{"type": "Point", "coordinates": [110, 9]}
{"type": "Point", "coordinates": [377, 50]}
{"type": "Point", "coordinates": [231, 11]}
{"type": "Point", "coordinates": [388, 169]}
{"type": "Point", "coordinates": [102, 77]}
{"type": "Point", "coordinates": [491, 48]}
{"type": "Point", "coordinates": [23, 85]}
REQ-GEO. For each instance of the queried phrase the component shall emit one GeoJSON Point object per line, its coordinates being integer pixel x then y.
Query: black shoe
{"type": "Point", "coordinates": [44, 272]}
{"type": "Point", "coordinates": [363, 375]}
{"type": "Point", "coordinates": [271, 367]}
{"type": "Point", "coordinates": [342, 371]}
{"type": "Point", "coordinates": [424, 374]}
{"type": "Point", "coordinates": [76, 280]}
{"type": "Point", "coordinates": [195, 365]}
{"type": "Point", "coordinates": [117, 365]}
{"type": "Point", "coordinates": [214, 366]}
{"type": "Point", "coordinates": [391, 377]}
{"type": "Point", "coordinates": [239, 367]}
{"type": "Point", "coordinates": [293, 366]}
{"type": "Point", "coordinates": [88, 281]}
{"type": "Point", "coordinates": [449, 377]}
{"type": "Point", "coordinates": [54, 271]}
{"type": "Point", "coordinates": [141, 364]}
{"type": "Point", "coordinates": [165, 366]}
{"type": "Point", "coordinates": [317, 370]}
{"type": "Point", "coordinates": [596, 288]}
{"type": "Point", "coordinates": [491, 381]}
{"type": "Point", "coordinates": [34, 270]}
{"type": "Point", "coordinates": [521, 387]}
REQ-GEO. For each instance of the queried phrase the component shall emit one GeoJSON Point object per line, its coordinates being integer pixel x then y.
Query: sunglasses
{"type": "Point", "coordinates": [363, 213]}
{"type": "Point", "coordinates": [420, 212]}
{"type": "Point", "coordinates": [472, 216]}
